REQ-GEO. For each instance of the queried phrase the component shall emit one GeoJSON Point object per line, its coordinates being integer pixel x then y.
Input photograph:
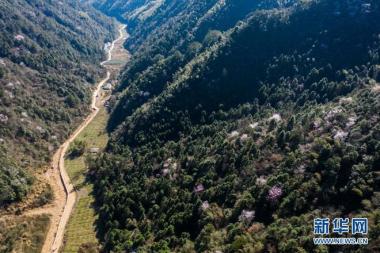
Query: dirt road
{"type": "Point", "coordinates": [64, 192]}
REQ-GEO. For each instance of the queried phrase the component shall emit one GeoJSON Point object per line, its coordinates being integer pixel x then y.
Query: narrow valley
{"type": "Point", "coordinates": [210, 126]}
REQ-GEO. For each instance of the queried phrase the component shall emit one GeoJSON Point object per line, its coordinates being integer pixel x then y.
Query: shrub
{"type": "Point", "coordinates": [77, 148]}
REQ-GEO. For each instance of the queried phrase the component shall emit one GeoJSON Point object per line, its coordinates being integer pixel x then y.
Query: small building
{"type": "Point", "coordinates": [94, 150]}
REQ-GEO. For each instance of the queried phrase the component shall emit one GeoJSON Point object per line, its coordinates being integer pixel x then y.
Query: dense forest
{"type": "Point", "coordinates": [239, 122]}
{"type": "Point", "coordinates": [49, 55]}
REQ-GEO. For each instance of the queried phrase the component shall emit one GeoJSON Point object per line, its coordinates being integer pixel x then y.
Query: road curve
{"type": "Point", "coordinates": [54, 238]}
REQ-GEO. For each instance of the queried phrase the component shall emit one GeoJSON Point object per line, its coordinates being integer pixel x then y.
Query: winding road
{"type": "Point", "coordinates": [63, 188]}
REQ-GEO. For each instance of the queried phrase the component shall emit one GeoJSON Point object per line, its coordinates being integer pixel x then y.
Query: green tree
{"type": "Point", "coordinates": [77, 148]}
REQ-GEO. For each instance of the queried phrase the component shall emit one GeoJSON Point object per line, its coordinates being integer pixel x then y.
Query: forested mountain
{"type": "Point", "coordinates": [239, 122]}
{"type": "Point", "coordinates": [49, 59]}
{"type": "Point", "coordinates": [172, 37]}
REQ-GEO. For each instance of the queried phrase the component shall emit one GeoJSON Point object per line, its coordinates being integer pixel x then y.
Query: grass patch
{"type": "Point", "coordinates": [23, 234]}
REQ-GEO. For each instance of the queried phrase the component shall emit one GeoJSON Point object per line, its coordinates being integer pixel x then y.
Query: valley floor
{"type": "Point", "coordinates": [81, 229]}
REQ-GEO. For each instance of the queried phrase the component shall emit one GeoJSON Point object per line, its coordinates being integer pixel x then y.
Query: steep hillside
{"type": "Point", "coordinates": [248, 63]}
{"type": "Point", "coordinates": [171, 38]}
{"type": "Point", "coordinates": [236, 142]}
{"type": "Point", "coordinates": [49, 55]}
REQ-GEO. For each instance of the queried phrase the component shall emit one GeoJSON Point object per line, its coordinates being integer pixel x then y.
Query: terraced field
{"type": "Point", "coordinates": [81, 228]}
